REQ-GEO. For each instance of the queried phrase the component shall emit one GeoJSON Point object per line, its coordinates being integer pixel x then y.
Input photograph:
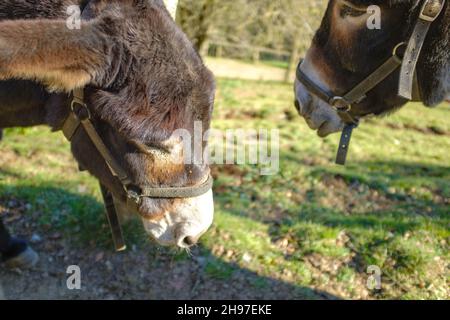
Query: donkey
{"type": "Point", "coordinates": [345, 52]}
{"type": "Point", "coordinates": [143, 80]}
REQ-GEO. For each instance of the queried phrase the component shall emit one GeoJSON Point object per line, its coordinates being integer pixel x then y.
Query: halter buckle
{"type": "Point", "coordinates": [133, 194]}
{"type": "Point", "coordinates": [340, 104]}
{"type": "Point", "coordinates": [431, 9]}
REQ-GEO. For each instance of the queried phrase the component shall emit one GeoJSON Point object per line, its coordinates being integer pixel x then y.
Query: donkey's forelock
{"type": "Point", "coordinates": [155, 74]}
{"type": "Point", "coordinates": [159, 78]}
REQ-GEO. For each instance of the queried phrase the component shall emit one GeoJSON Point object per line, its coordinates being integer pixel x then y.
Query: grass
{"type": "Point", "coordinates": [312, 225]}
{"type": "Point", "coordinates": [241, 69]}
{"type": "Point", "coordinates": [276, 63]}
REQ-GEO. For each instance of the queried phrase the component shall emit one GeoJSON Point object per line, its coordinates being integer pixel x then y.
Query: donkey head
{"type": "Point", "coordinates": [345, 50]}
{"type": "Point", "coordinates": [144, 81]}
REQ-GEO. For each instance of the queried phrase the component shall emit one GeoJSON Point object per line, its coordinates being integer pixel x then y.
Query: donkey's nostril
{"type": "Point", "coordinates": [189, 241]}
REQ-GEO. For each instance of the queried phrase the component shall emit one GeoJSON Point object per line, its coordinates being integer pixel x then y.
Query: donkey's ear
{"type": "Point", "coordinates": [50, 52]}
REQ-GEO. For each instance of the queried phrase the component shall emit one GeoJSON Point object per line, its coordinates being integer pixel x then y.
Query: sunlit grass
{"type": "Point", "coordinates": [314, 224]}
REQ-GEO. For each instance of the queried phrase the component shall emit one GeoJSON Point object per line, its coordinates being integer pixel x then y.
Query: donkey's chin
{"type": "Point", "coordinates": [184, 225]}
{"type": "Point", "coordinates": [318, 115]}
{"type": "Point", "coordinates": [324, 119]}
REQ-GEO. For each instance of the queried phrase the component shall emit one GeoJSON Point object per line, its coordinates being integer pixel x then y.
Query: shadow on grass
{"type": "Point", "coordinates": [406, 185]}
{"type": "Point", "coordinates": [379, 209]}
{"type": "Point", "coordinates": [81, 219]}
{"type": "Point", "coordinates": [239, 283]}
{"type": "Point", "coordinates": [382, 174]}
{"type": "Point", "coordinates": [59, 209]}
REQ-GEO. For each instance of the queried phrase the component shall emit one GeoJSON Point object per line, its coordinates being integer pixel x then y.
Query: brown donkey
{"type": "Point", "coordinates": [142, 81]}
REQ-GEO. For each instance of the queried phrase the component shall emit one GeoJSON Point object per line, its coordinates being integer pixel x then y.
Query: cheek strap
{"type": "Point", "coordinates": [344, 144]}
{"type": "Point", "coordinates": [431, 9]}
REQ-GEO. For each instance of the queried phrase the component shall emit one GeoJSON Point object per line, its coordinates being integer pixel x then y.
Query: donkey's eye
{"type": "Point", "coordinates": [350, 11]}
{"type": "Point", "coordinates": [150, 149]}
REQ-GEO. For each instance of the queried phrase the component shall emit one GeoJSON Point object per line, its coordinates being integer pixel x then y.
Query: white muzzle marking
{"type": "Point", "coordinates": [191, 218]}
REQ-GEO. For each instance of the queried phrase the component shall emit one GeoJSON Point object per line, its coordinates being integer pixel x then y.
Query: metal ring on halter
{"type": "Point", "coordinates": [394, 51]}
{"type": "Point", "coordinates": [83, 106]}
{"type": "Point", "coordinates": [340, 104]}
{"type": "Point", "coordinates": [133, 193]}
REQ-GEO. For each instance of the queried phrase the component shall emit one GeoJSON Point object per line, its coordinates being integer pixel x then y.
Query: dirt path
{"type": "Point", "coordinates": [235, 69]}
{"type": "Point", "coordinates": [139, 273]}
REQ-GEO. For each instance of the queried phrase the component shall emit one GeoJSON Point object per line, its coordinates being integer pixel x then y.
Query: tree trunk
{"type": "Point", "coordinates": [204, 22]}
{"type": "Point", "coordinates": [219, 51]}
{"type": "Point", "coordinates": [204, 48]}
{"type": "Point", "coordinates": [255, 56]}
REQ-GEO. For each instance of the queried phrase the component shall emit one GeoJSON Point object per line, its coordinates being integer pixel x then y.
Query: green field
{"type": "Point", "coordinates": [314, 225]}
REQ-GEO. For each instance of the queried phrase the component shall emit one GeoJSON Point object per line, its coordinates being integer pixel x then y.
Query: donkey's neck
{"type": "Point", "coordinates": [23, 103]}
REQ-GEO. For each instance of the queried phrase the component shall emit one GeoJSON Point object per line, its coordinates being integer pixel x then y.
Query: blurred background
{"type": "Point", "coordinates": [251, 39]}
{"type": "Point", "coordinates": [309, 232]}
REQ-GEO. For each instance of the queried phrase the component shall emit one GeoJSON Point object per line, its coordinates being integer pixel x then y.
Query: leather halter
{"type": "Point", "coordinates": [80, 116]}
{"type": "Point", "coordinates": [408, 84]}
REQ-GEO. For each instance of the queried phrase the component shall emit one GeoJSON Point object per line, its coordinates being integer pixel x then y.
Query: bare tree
{"type": "Point", "coordinates": [285, 25]}
{"type": "Point", "coordinates": [196, 17]}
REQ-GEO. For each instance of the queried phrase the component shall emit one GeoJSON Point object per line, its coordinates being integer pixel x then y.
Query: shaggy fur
{"type": "Point", "coordinates": [144, 80]}
{"type": "Point", "coordinates": [345, 57]}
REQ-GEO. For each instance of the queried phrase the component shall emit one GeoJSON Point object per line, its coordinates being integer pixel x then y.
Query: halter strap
{"type": "Point", "coordinates": [180, 192]}
{"type": "Point", "coordinates": [343, 104]}
{"type": "Point", "coordinates": [113, 219]}
{"type": "Point", "coordinates": [344, 143]}
{"type": "Point", "coordinates": [80, 116]}
{"type": "Point", "coordinates": [431, 9]}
